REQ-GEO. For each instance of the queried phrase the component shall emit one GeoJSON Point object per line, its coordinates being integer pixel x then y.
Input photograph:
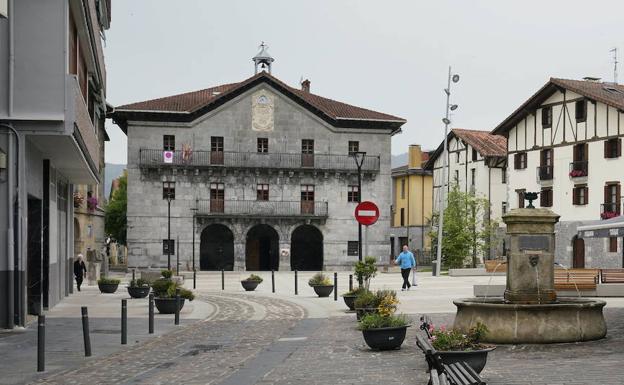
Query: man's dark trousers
{"type": "Point", "coordinates": [405, 273]}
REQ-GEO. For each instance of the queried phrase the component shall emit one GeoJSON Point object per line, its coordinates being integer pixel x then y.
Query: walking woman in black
{"type": "Point", "coordinates": [79, 270]}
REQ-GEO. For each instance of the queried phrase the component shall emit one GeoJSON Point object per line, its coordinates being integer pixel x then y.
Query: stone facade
{"type": "Point", "coordinates": [235, 122]}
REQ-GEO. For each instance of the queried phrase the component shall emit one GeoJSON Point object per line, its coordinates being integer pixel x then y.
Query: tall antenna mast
{"type": "Point", "coordinates": [615, 63]}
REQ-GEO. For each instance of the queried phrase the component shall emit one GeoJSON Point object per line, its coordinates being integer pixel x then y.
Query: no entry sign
{"type": "Point", "coordinates": [366, 213]}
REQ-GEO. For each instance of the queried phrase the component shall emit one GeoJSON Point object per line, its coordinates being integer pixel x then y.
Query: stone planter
{"type": "Point", "coordinates": [385, 338]}
{"type": "Point", "coordinates": [249, 285]}
{"type": "Point", "coordinates": [475, 358]}
{"type": "Point", "coordinates": [138, 291]}
{"type": "Point", "coordinates": [349, 300]}
{"type": "Point", "coordinates": [108, 288]}
{"type": "Point", "coordinates": [323, 290]}
{"type": "Point", "coordinates": [361, 312]}
{"type": "Point", "coordinates": [167, 305]}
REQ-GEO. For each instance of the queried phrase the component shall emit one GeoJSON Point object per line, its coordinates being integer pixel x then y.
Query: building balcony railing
{"type": "Point", "coordinates": [578, 169]}
{"type": "Point", "coordinates": [200, 159]}
{"type": "Point", "coordinates": [261, 209]}
{"type": "Point", "coordinates": [544, 173]}
{"type": "Point", "coordinates": [610, 210]}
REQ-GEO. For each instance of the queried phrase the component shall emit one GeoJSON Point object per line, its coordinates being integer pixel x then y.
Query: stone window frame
{"type": "Point", "coordinates": [353, 194]}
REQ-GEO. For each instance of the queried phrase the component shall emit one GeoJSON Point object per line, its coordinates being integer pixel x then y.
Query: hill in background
{"type": "Point", "coordinates": [111, 172]}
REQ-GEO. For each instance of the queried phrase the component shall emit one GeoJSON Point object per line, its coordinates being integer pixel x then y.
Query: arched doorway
{"type": "Point", "coordinates": [262, 249]}
{"type": "Point", "coordinates": [306, 248]}
{"type": "Point", "coordinates": [216, 250]}
{"type": "Point", "coordinates": [578, 252]}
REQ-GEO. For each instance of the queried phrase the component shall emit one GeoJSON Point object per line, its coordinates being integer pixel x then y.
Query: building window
{"type": "Point", "coordinates": [169, 246]}
{"type": "Point", "coordinates": [612, 198]}
{"type": "Point", "coordinates": [353, 194]}
{"type": "Point", "coordinates": [546, 197]}
{"type": "Point", "coordinates": [520, 161]}
{"type": "Point", "coordinates": [613, 241]}
{"type": "Point", "coordinates": [307, 192]}
{"type": "Point", "coordinates": [613, 148]}
{"type": "Point", "coordinates": [216, 150]}
{"type": "Point", "coordinates": [580, 194]}
{"type": "Point", "coordinates": [402, 188]}
{"type": "Point", "coordinates": [503, 175]}
{"type": "Point", "coordinates": [169, 142]}
{"type": "Point", "coordinates": [472, 177]}
{"type": "Point", "coordinates": [402, 217]}
{"type": "Point", "coordinates": [262, 192]}
{"type": "Point", "coordinates": [546, 117]}
{"type": "Point", "coordinates": [475, 155]}
{"type": "Point", "coordinates": [217, 197]}
{"type": "Point", "coordinates": [580, 110]}
{"type": "Point", "coordinates": [456, 176]}
{"type": "Point", "coordinates": [169, 190]}
{"type": "Point", "coordinates": [307, 146]}
{"type": "Point", "coordinates": [546, 164]}
{"type": "Point", "coordinates": [520, 198]}
{"type": "Point", "coordinates": [354, 146]}
{"type": "Point", "coordinates": [457, 156]}
{"type": "Point", "coordinates": [353, 249]}
{"type": "Point", "coordinates": [504, 207]}
{"type": "Point", "coordinates": [263, 145]}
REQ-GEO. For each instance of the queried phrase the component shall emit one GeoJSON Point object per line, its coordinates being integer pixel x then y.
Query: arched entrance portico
{"type": "Point", "coordinates": [578, 252]}
{"type": "Point", "coordinates": [216, 249]}
{"type": "Point", "coordinates": [306, 248]}
{"type": "Point", "coordinates": [262, 249]}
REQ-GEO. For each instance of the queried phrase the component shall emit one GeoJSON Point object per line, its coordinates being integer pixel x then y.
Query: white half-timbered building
{"type": "Point", "coordinates": [565, 142]}
{"type": "Point", "coordinates": [476, 163]}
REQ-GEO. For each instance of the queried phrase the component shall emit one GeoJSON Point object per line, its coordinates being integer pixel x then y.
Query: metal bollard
{"type": "Point", "coordinates": [151, 313]}
{"type": "Point", "coordinates": [133, 274]}
{"type": "Point", "coordinates": [177, 311]}
{"type": "Point", "coordinates": [273, 281]}
{"type": "Point", "coordinates": [222, 280]}
{"type": "Point", "coordinates": [350, 282]}
{"type": "Point", "coordinates": [296, 288]}
{"type": "Point", "coordinates": [335, 286]}
{"type": "Point", "coordinates": [194, 279]}
{"type": "Point", "coordinates": [41, 343]}
{"type": "Point", "coordinates": [85, 331]}
{"type": "Point", "coordinates": [124, 321]}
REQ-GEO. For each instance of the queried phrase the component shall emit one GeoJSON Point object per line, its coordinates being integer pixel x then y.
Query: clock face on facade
{"type": "Point", "coordinates": [262, 105]}
{"type": "Point", "coordinates": [262, 99]}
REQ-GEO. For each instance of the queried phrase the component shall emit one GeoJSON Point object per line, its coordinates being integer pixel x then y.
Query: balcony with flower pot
{"type": "Point", "coordinates": [609, 210]}
{"type": "Point", "coordinates": [579, 169]}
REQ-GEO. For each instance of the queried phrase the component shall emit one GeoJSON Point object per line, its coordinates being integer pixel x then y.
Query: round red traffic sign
{"type": "Point", "coordinates": [366, 213]}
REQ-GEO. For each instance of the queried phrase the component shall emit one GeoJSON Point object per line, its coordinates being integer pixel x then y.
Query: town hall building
{"type": "Point", "coordinates": [259, 176]}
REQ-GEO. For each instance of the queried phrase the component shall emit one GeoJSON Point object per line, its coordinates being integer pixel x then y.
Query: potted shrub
{"type": "Point", "coordinates": [250, 283]}
{"type": "Point", "coordinates": [108, 285]}
{"type": "Point", "coordinates": [350, 296]}
{"type": "Point", "coordinates": [165, 293]}
{"type": "Point", "coordinates": [455, 346]}
{"type": "Point", "coordinates": [321, 284]}
{"type": "Point", "coordinates": [365, 271]}
{"type": "Point", "coordinates": [139, 288]}
{"type": "Point", "coordinates": [383, 330]}
{"type": "Point", "coordinates": [368, 302]}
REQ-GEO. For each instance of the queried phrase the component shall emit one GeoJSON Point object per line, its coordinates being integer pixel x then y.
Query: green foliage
{"type": "Point", "coordinates": [115, 222]}
{"type": "Point", "coordinates": [166, 288]}
{"type": "Point", "coordinates": [319, 279]}
{"type": "Point", "coordinates": [365, 271]}
{"type": "Point", "coordinates": [467, 231]}
{"type": "Point", "coordinates": [453, 340]}
{"type": "Point", "coordinates": [139, 283]}
{"type": "Point", "coordinates": [167, 274]}
{"type": "Point", "coordinates": [369, 300]}
{"type": "Point", "coordinates": [184, 293]}
{"type": "Point", "coordinates": [108, 281]}
{"type": "Point", "coordinates": [357, 291]}
{"type": "Point", "coordinates": [376, 321]}
{"type": "Point", "coordinates": [255, 278]}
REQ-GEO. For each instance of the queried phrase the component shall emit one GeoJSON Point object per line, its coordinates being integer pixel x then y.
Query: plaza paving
{"type": "Point", "coordinates": [234, 337]}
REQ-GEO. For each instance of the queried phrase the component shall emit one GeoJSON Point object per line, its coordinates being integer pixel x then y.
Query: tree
{"type": "Point", "coordinates": [467, 230]}
{"type": "Point", "coordinates": [115, 221]}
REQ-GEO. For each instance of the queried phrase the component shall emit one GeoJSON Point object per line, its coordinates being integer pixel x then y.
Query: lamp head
{"type": "Point", "coordinates": [446, 121]}
{"type": "Point", "coordinates": [453, 107]}
{"type": "Point", "coordinates": [455, 78]}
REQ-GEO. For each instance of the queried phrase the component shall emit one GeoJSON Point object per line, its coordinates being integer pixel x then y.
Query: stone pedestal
{"type": "Point", "coordinates": [530, 256]}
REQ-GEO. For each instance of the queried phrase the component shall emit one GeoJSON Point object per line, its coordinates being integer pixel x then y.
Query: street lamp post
{"type": "Point", "coordinates": [194, 210]}
{"type": "Point", "coordinates": [358, 157]}
{"type": "Point", "coordinates": [168, 230]}
{"type": "Point", "coordinates": [441, 206]}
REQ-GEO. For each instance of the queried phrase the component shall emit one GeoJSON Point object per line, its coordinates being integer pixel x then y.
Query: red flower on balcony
{"type": "Point", "coordinates": [78, 200]}
{"type": "Point", "coordinates": [577, 173]}
{"type": "Point", "coordinates": [609, 215]}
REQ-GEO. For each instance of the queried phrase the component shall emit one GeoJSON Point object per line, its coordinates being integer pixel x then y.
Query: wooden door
{"type": "Point", "coordinates": [253, 255]}
{"type": "Point", "coordinates": [578, 253]}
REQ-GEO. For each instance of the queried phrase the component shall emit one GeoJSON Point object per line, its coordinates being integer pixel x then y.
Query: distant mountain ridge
{"type": "Point", "coordinates": [112, 171]}
{"type": "Point", "coordinates": [399, 160]}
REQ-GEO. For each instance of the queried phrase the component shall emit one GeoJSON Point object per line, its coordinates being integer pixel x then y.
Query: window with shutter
{"type": "Point", "coordinates": [546, 197]}
{"type": "Point", "coordinates": [613, 148]}
{"type": "Point", "coordinates": [546, 117]}
{"type": "Point", "coordinates": [613, 242]}
{"type": "Point", "coordinates": [580, 110]}
{"type": "Point", "coordinates": [580, 195]}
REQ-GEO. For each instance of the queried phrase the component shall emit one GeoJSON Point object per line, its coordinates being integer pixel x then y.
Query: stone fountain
{"type": "Point", "coordinates": [530, 311]}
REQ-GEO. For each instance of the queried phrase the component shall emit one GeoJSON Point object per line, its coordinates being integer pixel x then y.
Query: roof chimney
{"type": "Point", "coordinates": [591, 79]}
{"type": "Point", "coordinates": [305, 86]}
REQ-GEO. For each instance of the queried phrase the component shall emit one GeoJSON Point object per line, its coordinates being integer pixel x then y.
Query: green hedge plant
{"type": "Point", "coordinates": [319, 279]}
{"type": "Point", "coordinates": [108, 281]}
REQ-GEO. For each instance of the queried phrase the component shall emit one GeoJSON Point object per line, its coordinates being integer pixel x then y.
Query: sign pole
{"type": "Point", "coordinates": [366, 241]}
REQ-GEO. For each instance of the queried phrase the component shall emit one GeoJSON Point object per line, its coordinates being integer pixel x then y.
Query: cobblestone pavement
{"type": "Point", "coordinates": [253, 339]}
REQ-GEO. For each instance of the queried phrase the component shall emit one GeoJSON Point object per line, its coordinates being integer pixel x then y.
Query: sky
{"type": "Point", "coordinates": [389, 56]}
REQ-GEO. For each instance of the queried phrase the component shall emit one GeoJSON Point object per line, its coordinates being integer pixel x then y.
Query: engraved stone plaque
{"type": "Point", "coordinates": [534, 242]}
{"type": "Point", "coordinates": [262, 108]}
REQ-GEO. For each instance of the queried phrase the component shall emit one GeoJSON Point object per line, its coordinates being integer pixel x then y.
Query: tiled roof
{"type": "Point", "coordinates": [192, 101]}
{"type": "Point", "coordinates": [485, 143]}
{"type": "Point", "coordinates": [610, 94]}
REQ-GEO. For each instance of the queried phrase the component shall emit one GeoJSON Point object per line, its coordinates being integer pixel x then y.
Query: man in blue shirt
{"type": "Point", "coordinates": [406, 261]}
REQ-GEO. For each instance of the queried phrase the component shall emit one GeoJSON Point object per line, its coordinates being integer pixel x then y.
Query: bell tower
{"type": "Point", "coordinates": [263, 59]}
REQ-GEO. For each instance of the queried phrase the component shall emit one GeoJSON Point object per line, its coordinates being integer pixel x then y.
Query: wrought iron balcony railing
{"type": "Point", "coordinates": [200, 159]}
{"type": "Point", "coordinates": [609, 210]}
{"type": "Point", "coordinates": [262, 209]}
{"type": "Point", "coordinates": [578, 169]}
{"type": "Point", "coordinates": [544, 173]}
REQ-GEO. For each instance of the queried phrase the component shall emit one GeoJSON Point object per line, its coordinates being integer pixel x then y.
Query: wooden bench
{"type": "Point", "coordinates": [495, 266]}
{"type": "Point", "coordinates": [572, 279]}
{"type": "Point", "coordinates": [459, 373]}
{"type": "Point", "coordinates": [612, 275]}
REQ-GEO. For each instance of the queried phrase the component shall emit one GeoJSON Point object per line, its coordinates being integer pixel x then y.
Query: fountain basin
{"type": "Point", "coordinates": [567, 320]}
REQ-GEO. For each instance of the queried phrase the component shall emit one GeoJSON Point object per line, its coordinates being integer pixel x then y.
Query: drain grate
{"type": "Point", "coordinates": [197, 349]}
{"type": "Point", "coordinates": [105, 331]}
